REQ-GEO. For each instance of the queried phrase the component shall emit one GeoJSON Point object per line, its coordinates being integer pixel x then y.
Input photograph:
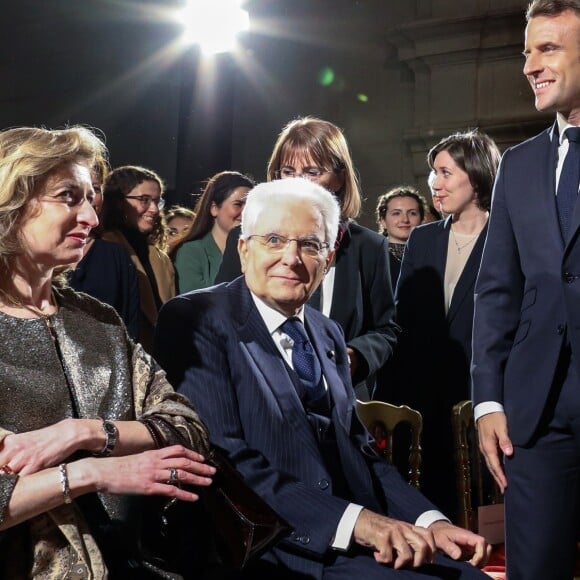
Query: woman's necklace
{"type": "Point", "coordinates": [397, 251]}
{"type": "Point", "coordinates": [15, 302]}
{"type": "Point", "coordinates": [465, 244]}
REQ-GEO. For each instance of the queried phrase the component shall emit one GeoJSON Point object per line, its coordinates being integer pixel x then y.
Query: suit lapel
{"type": "Point", "coordinates": [440, 246]}
{"type": "Point", "coordinates": [265, 356]}
{"type": "Point", "coordinates": [342, 274]}
{"type": "Point", "coordinates": [574, 223]}
{"type": "Point", "coordinates": [547, 183]}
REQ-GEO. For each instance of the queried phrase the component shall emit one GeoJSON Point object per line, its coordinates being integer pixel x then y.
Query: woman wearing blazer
{"type": "Point", "coordinates": [434, 298]}
{"type": "Point", "coordinates": [132, 199]}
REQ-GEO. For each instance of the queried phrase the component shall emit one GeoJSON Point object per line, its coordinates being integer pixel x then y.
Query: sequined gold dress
{"type": "Point", "coordinates": [86, 367]}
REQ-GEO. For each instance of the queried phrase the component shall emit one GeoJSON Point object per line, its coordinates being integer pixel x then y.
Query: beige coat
{"type": "Point", "coordinates": [164, 276]}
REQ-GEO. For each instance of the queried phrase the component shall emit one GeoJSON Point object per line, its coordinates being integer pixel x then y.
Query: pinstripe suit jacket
{"type": "Point", "coordinates": [217, 350]}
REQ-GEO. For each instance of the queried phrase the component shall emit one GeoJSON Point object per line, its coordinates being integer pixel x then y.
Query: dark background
{"type": "Point", "coordinates": [426, 67]}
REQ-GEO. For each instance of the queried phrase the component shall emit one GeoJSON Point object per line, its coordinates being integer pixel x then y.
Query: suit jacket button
{"type": "Point", "coordinates": [569, 278]}
{"type": "Point", "coordinates": [561, 328]}
{"type": "Point", "coordinates": [305, 540]}
{"type": "Point", "coordinates": [323, 484]}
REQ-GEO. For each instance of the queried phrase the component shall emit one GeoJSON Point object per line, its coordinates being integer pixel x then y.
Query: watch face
{"type": "Point", "coordinates": [111, 435]}
{"type": "Point", "coordinates": [109, 428]}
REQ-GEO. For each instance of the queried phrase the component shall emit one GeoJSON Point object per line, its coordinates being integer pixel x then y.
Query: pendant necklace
{"type": "Point", "coordinates": [12, 301]}
{"type": "Point", "coordinates": [465, 244]}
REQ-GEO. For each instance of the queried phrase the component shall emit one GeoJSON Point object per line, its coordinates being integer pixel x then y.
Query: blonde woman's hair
{"type": "Point", "coordinates": [27, 156]}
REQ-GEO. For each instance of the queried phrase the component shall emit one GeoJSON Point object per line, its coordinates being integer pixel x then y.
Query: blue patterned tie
{"type": "Point", "coordinates": [569, 177]}
{"type": "Point", "coordinates": [304, 359]}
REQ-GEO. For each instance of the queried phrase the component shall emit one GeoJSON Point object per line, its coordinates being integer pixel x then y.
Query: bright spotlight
{"type": "Point", "coordinates": [214, 24]}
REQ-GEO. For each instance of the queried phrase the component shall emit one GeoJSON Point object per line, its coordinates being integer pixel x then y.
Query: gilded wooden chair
{"type": "Point", "coordinates": [472, 488]}
{"type": "Point", "coordinates": [380, 420]}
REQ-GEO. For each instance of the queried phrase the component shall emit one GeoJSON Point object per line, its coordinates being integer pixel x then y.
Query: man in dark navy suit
{"type": "Point", "coordinates": [526, 339]}
{"type": "Point", "coordinates": [271, 378]}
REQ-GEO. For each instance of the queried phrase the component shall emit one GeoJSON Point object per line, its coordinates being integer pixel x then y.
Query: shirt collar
{"type": "Point", "coordinates": [271, 317]}
{"type": "Point", "coordinates": [562, 126]}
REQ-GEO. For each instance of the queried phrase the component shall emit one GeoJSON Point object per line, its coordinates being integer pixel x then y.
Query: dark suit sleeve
{"type": "Point", "coordinates": [204, 361]}
{"type": "Point", "coordinates": [498, 298]}
{"type": "Point", "coordinates": [375, 344]}
{"type": "Point", "coordinates": [230, 267]}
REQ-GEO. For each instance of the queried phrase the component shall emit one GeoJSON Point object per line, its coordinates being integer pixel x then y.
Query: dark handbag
{"type": "Point", "coordinates": [246, 525]}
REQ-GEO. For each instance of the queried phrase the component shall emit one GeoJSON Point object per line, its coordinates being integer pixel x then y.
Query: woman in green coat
{"type": "Point", "coordinates": [218, 210]}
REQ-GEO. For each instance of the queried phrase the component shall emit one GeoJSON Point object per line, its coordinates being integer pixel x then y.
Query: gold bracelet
{"type": "Point", "coordinates": [64, 483]}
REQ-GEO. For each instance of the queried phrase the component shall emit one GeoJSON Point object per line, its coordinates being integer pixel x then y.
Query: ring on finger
{"type": "Point", "coordinates": [173, 479]}
{"type": "Point", "coordinates": [6, 469]}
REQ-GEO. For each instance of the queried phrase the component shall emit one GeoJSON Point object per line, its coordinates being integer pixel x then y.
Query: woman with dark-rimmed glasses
{"type": "Point", "coordinates": [356, 291]}
{"type": "Point", "coordinates": [132, 200]}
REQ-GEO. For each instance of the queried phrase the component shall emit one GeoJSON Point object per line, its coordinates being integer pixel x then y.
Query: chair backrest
{"type": "Point", "coordinates": [473, 488]}
{"type": "Point", "coordinates": [380, 420]}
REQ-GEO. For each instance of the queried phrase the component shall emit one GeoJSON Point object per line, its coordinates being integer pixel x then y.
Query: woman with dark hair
{"type": "Point", "coordinates": [88, 419]}
{"type": "Point", "coordinates": [356, 291]}
{"type": "Point", "coordinates": [106, 271]}
{"type": "Point", "coordinates": [218, 210]}
{"type": "Point", "coordinates": [132, 200]}
{"type": "Point", "coordinates": [434, 299]}
{"type": "Point", "coordinates": [398, 212]}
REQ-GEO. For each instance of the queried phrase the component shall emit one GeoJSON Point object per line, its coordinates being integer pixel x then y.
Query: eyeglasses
{"type": "Point", "coordinates": [146, 200]}
{"type": "Point", "coordinates": [306, 246]}
{"type": "Point", "coordinates": [311, 173]}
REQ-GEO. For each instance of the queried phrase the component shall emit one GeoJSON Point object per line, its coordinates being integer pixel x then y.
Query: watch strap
{"type": "Point", "coordinates": [111, 436]}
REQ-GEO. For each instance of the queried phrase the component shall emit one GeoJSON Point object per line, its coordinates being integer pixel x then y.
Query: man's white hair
{"type": "Point", "coordinates": [268, 194]}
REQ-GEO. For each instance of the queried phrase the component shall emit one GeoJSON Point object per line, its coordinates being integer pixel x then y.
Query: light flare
{"type": "Point", "coordinates": [214, 24]}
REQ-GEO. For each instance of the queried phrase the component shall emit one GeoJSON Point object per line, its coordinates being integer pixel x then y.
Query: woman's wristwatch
{"type": "Point", "coordinates": [111, 436]}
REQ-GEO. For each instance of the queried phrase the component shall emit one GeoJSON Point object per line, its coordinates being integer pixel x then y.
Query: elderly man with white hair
{"type": "Point", "coordinates": [270, 377]}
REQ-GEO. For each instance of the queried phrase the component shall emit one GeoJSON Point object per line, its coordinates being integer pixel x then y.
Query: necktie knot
{"type": "Point", "coordinates": [295, 330]}
{"type": "Point", "coordinates": [573, 134]}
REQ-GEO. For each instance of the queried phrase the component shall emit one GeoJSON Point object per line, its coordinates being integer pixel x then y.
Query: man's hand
{"type": "Point", "coordinates": [493, 435]}
{"type": "Point", "coordinates": [396, 543]}
{"type": "Point", "coordinates": [458, 543]}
